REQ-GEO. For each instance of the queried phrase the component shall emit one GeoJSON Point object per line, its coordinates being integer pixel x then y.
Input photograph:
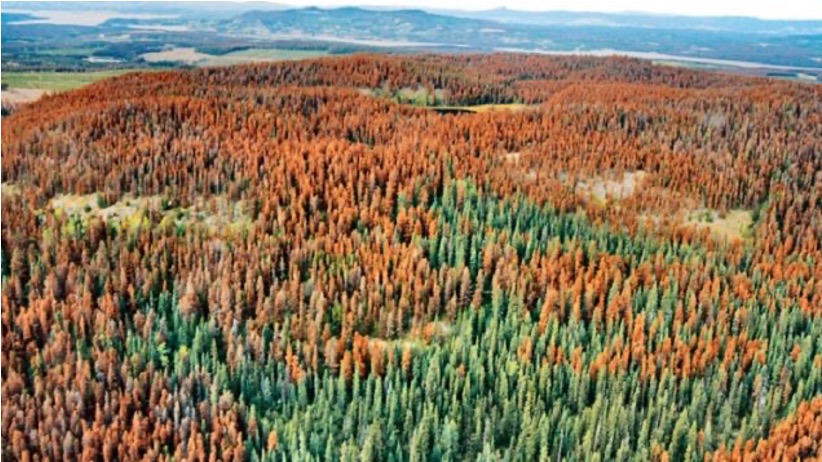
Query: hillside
{"type": "Point", "coordinates": [570, 258]}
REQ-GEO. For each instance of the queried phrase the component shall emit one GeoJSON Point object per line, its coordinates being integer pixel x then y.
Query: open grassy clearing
{"type": "Point", "coordinates": [93, 204]}
{"type": "Point", "coordinates": [175, 55]}
{"type": "Point", "coordinates": [599, 188]}
{"type": "Point", "coordinates": [259, 55]}
{"type": "Point", "coordinates": [736, 224]}
{"type": "Point", "coordinates": [193, 57]}
{"type": "Point", "coordinates": [216, 214]}
{"type": "Point", "coordinates": [57, 81]}
{"type": "Point", "coordinates": [418, 338]}
{"type": "Point", "coordinates": [14, 96]}
{"type": "Point", "coordinates": [9, 189]}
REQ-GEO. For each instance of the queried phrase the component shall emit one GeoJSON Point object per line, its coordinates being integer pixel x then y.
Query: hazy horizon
{"type": "Point", "coordinates": [759, 9]}
{"type": "Point", "coordinates": [763, 9]}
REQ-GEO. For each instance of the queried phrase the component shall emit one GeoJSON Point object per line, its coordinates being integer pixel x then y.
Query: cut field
{"type": "Point", "coordinates": [56, 81]}
{"type": "Point", "coordinates": [194, 57]}
{"type": "Point", "coordinates": [175, 55]}
{"type": "Point", "coordinates": [259, 55]}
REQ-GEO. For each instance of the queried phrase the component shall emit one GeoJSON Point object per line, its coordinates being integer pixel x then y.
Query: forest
{"type": "Point", "coordinates": [595, 259]}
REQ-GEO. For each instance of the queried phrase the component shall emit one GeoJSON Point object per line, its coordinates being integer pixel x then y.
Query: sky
{"type": "Point", "coordinates": [766, 9]}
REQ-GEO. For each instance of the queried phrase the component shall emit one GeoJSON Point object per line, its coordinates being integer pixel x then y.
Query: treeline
{"type": "Point", "coordinates": [407, 285]}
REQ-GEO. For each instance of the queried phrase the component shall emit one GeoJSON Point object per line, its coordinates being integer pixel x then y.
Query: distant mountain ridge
{"type": "Point", "coordinates": [800, 43]}
{"type": "Point", "coordinates": [741, 24]}
{"type": "Point", "coordinates": [227, 26]}
{"type": "Point", "coordinates": [406, 25]}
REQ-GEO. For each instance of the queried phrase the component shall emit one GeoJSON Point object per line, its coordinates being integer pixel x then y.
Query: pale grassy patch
{"type": "Point", "coordinates": [512, 107]}
{"type": "Point", "coordinates": [599, 188]}
{"type": "Point", "coordinates": [89, 205]}
{"type": "Point", "coordinates": [512, 157]}
{"type": "Point", "coordinates": [177, 54]}
{"type": "Point", "coordinates": [73, 204]}
{"type": "Point", "coordinates": [15, 96]}
{"type": "Point", "coordinates": [57, 81]}
{"type": "Point", "coordinates": [418, 337]}
{"type": "Point", "coordinates": [217, 213]}
{"type": "Point", "coordinates": [9, 189]}
{"type": "Point", "coordinates": [260, 55]}
{"type": "Point", "coordinates": [736, 224]}
{"type": "Point", "coordinates": [129, 207]}
{"type": "Point", "coordinates": [484, 108]}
